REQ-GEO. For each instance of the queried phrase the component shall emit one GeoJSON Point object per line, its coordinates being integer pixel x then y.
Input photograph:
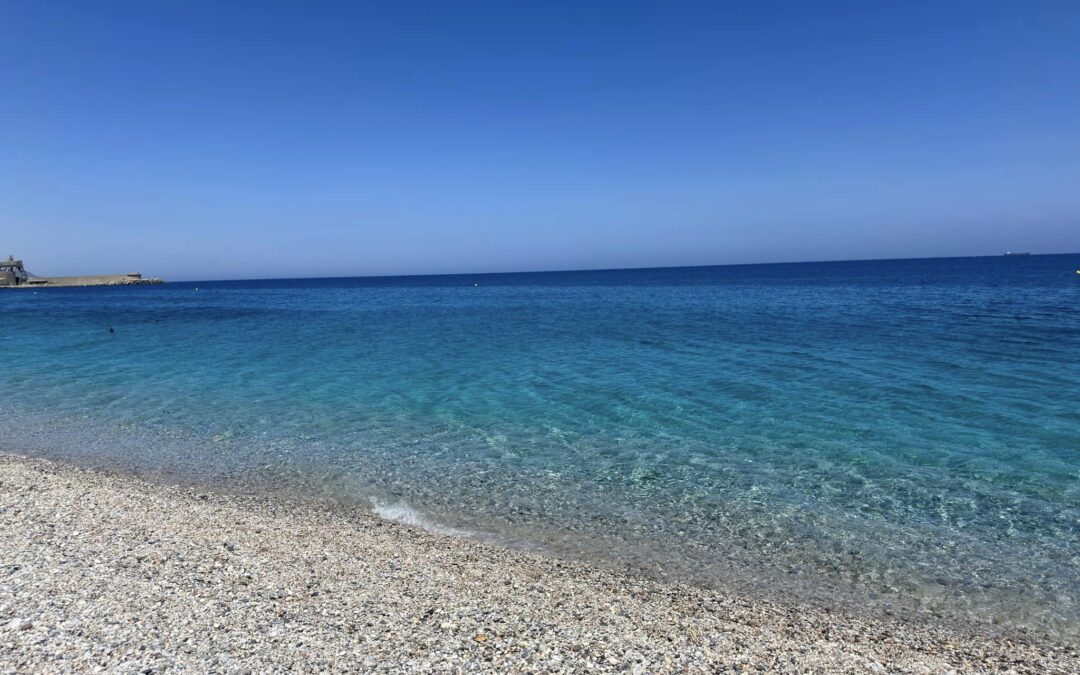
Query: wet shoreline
{"type": "Point", "coordinates": [110, 570]}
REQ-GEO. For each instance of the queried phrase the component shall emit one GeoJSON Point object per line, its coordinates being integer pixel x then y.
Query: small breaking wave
{"type": "Point", "coordinates": [400, 512]}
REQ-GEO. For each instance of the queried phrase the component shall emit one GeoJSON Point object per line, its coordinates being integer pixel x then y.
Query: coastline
{"type": "Point", "coordinates": [106, 570]}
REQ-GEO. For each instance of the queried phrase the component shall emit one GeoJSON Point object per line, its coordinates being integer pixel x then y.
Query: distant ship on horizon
{"type": "Point", "coordinates": [1017, 253]}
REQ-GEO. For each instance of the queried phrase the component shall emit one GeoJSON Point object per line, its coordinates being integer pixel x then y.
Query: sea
{"type": "Point", "coordinates": [897, 436]}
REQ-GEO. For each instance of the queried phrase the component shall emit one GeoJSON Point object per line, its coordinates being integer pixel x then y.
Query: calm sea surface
{"type": "Point", "coordinates": [903, 434]}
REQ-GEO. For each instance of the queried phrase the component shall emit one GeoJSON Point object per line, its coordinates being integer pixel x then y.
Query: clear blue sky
{"type": "Point", "coordinates": [266, 139]}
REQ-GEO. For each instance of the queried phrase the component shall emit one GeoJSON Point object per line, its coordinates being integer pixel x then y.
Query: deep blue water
{"type": "Point", "coordinates": [900, 433]}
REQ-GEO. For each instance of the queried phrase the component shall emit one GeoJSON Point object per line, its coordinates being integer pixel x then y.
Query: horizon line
{"type": "Point", "coordinates": [621, 269]}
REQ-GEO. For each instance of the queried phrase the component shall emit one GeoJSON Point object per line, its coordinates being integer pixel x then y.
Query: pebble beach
{"type": "Point", "coordinates": [104, 572]}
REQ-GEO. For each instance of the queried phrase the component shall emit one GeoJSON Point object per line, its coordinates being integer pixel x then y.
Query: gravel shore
{"type": "Point", "coordinates": [108, 572]}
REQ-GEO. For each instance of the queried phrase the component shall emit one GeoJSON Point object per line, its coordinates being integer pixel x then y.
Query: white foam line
{"type": "Point", "coordinates": [400, 512]}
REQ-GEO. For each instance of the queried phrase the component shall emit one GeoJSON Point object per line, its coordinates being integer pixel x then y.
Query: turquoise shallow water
{"type": "Point", "coordinates": [899, 433]}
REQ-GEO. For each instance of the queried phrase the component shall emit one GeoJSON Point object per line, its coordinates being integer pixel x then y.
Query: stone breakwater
{"type": "Point", "coordinates": [96, 280]}
{"type": "Point", "coordinates": [101, 571]}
